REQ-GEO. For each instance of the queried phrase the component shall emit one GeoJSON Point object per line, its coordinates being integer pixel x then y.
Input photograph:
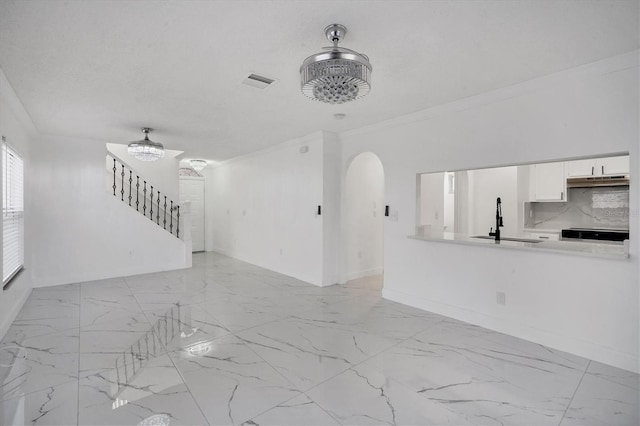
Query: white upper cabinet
{"type": "Point", "coordinates": [599, 166]}
{"type": "Point", "coordinates": [615, 165]}
{"type": "Point", "coordinates": [547, 182]}
{"type": "Point", "coordinates": [581, 168]}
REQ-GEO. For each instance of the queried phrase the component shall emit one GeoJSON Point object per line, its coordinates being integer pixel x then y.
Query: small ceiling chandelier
{"type": "Point", "coordinates": [338, 75]}
{"type": "Point", "coordinates": [146, 149]}
{"type": "Point", "coordinates": [198, 165]}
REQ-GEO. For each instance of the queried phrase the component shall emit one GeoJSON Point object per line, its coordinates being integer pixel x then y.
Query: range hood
{"type": "Point", "coordinates": [593, 181]}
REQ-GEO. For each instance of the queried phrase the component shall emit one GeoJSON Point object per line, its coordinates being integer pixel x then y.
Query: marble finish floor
{"type": "Point", "coordinates": [228, 343]}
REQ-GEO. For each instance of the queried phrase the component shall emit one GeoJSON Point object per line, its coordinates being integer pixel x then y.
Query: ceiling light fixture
{"type": "Point", "coordinates": [198, 165]}
{"type": "Point", "coordinates": [146, 149]}
{"type": "Point", "coordinates": [338, 75]}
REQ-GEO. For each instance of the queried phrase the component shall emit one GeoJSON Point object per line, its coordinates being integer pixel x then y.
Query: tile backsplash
{"type": "Point", "coordinates": [601, 207]}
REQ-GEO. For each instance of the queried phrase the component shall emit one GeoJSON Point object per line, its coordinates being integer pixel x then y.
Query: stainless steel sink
{"type": "Point", "coordinates": [520, 240]}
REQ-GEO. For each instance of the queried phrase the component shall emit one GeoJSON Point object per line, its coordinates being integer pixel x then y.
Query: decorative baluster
{"type": "Point", "coordinates": [118, 371]}
{"type": "Point", "coordinates": [130, 180]}
{"type": "Point", "coordinates": [171, 219]}
{"type": "Point", "coordinates": [137, 192]}
{"type": "Point", "coordinates": [122, 185]}
{"type": "Point", "coordinates": [158, 210]}
{"type": "Point", "coordinates": [144, 199]}
{"type": "Point", "coordinates": [114, 177]}
{"type": "Point", "coordinates": [146, 343]}
{"type": "Point", "coordinates": [126, 373]}
{"type": "Point", "coordinates": [151, 210]}
{"type": "Point", "coordinates": [165, 212]}
{"type": "Point", "coordinates": [178, 223]}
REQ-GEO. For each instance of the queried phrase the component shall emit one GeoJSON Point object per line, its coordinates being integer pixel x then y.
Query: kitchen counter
{"type": "Point", "coordinates": [610, 250]}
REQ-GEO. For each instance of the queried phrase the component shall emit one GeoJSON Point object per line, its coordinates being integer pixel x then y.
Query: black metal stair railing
{"type": "Point", "coordinates": [147, 347]}
{"type": "Point", "coordinates": [127, 191]}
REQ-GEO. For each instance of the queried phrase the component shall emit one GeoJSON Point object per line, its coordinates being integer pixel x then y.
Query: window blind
{"type": "Point", "coordinates": [12, 213]}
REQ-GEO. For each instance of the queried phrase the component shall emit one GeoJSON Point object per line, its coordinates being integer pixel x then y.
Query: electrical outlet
{"type": "Point", "coordinates": [501, 298]}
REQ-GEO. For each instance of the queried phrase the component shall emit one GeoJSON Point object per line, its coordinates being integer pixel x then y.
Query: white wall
{"type": "Point", "coordinates": [487, 185]}
{"type": "Point", "coordinates": [582, 305]}
{"type": "Point", "coordinates": [262, 208]}
{"type": "Point", "coordinates": [81, 232]}
{"type": "Point", "coordinates": [431, 213]}
{"type": "Point", "coordinates": [331, 208]}
{"type": "Point", "coordinates": [17, 128]}
{"type": "Point", "coordinates": [364, 206]}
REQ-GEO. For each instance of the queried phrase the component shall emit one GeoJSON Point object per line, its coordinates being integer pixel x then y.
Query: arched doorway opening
{"type": "Point", "coordinates": [364, 221]}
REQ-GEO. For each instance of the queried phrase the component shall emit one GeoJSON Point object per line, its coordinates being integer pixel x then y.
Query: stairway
{"type": "Point", "coordinates": [129, 187]}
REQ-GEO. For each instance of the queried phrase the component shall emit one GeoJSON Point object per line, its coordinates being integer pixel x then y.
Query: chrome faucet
{"type": "Point", "coordinates": [499, 222]}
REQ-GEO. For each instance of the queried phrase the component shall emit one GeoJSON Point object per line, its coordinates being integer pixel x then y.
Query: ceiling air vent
{"type": "Point", "coordinates": [258, 81]}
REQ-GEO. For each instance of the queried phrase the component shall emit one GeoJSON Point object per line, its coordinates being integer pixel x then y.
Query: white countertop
{"type": "Point", "coordinates": [543, 230]}
{"type": "Point", "coordinates": [611, 250]}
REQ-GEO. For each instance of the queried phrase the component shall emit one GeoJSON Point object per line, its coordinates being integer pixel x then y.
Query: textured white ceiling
{"type": "Point", "coordinates": [102, 69]}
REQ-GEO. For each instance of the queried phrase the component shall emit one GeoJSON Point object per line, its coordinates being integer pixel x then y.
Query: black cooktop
{"type": "Point", "coordinates": [596, 234]}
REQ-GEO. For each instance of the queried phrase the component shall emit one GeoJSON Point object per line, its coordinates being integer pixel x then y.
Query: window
{"type": "Point", "coordinates": [12, 214]}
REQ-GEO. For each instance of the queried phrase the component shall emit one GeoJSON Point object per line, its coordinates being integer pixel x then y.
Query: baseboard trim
{"type": "Point", "coordinates": [234, 256]}
{"type": "Point", "coordinates": [4, 327]}
{"type": "Point", "coordinates": [364, 273]}
{"type": "Point", "coordinates": [120, 273]}
{"type": "Point", "coordinates": [574, 346]}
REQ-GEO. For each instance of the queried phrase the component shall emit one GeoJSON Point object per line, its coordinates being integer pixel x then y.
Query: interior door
{"type": "Point", "coordinates": [192, 189]}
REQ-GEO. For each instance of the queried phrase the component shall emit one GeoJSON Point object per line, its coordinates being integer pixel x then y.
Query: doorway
{"type": "Point", "coordinates": [192, 190]}
{"type": "Point", "coordinates": [364, 219]}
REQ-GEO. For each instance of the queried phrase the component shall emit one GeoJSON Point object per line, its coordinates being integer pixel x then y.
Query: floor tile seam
{"type": "Point", "coordinates": [244, 329]}
{"type": "Point", "coordinates": [302, 391]}
{"type": "Point", "coordinates": [404, 339]}
{"type": "Point", "coordinates": [351, 367]}
{"type": "Point", "coordinates": [269, 364]}
{"type": "Point", "coordinates": [39, 389]}
{"type": "Point", "coordinates": [398, 343]}
{"type": "Point", "coordinates": [330, 414]}
{"type": "Point", "coordinates": [151, 325]}
{"type": "Point", "coordinates": [145, 313]}
{"type": "Point", "coordinates": [533, 354]}
{"type": "Point", "coordinates": [166, 352]}
{"type": "Point", "coordinates": [613, 382]}
{"type": "Point", "coordinates": [397, 382]}
{"type": "Point", "coordinates": [4, 343]}
{"type": "Point", "coordinates": [314, 308]}
{"type": "Point", "coordinates": [515, 350]}
{"type": "Point", "coordinates": [354, 329]}
{"type": "Point", "coordinates": [276, 406]}
{"type": "Point", "coordinates": [186, 384]}
{"type": "Point", "coordinates": [584, 373]}
{"type": "Point", "coordinates": [287, 379]}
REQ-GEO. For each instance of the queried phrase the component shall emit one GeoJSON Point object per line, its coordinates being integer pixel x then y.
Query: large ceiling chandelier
{"type": "Point", "coordinates": [337, 75]}
{"type": "Point", "coordinates": [198, 165]}
{"type": "Point", "coordinates": [146, 149]}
